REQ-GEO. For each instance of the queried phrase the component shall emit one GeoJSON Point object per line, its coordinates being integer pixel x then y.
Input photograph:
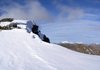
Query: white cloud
{"type": "Point", "coordinates": [31, 10]}
{"type": "Point", "coordinates": [69, 13]}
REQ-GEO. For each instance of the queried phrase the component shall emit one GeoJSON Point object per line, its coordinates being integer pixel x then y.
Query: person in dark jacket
{"type": "Point", "coordinates": [46, 39]}
{"type": "Point", "coordinates": [35, 29]}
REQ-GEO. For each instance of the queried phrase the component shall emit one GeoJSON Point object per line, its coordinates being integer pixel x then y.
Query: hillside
{"type": "Point", "coordinates": [93, 49]}
{"type": "Point", "coordinates": [21, 50]}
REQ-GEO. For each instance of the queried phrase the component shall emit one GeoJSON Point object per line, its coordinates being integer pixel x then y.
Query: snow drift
{"type": "Point", "coordinates": [20, 50]}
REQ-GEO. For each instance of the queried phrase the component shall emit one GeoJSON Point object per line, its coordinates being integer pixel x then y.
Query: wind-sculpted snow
{"type": "Point", "coordinates": [20, 50]}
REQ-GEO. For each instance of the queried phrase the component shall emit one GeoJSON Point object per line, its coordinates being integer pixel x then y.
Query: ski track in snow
{"type": "Point", "coordinates": [41, 59]}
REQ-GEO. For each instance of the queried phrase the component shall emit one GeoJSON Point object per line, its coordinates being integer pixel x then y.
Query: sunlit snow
{"type": "Point", "coordinates": [20, 50]}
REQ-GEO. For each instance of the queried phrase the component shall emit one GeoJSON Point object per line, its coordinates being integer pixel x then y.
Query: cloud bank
{"type": "Point", "coordinates": [34, 9]}
{"type": "Point", "coordinates": [31, 10]}
{"type": "Point", "coordinates": [72, 11]}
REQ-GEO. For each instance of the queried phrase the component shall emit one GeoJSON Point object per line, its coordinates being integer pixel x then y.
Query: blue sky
{"type": "Point", "coordinates": [61, 20]}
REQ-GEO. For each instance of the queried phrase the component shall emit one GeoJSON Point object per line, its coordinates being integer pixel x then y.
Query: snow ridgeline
{"type": "Point", "coordinates": [24, 24]}
{"type": "Point", "coordinates": [20, 50]}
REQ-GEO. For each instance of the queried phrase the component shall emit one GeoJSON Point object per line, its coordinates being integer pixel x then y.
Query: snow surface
{"type": "Point", "coordinates": [4, 23]}
{"type": "Point", "coordinates": [20, 50]}
{"type": "Point", "coordinates": [72, 42]}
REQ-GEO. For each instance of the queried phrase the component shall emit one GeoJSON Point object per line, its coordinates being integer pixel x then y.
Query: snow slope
{"type": "Point", "coordinates": [20, 50]}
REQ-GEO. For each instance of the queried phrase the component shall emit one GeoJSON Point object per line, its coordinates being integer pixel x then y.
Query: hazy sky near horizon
{"type": "Point", "coordinates": [61, 20]}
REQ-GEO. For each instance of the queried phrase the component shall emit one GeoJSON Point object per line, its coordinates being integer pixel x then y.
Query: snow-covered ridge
{"type": "Point", "coordinates": [27, 25]}
{"type": "Point", "coordinates": [72, 42]}
{"type": "Point", "coordinates": [20, 50]}
{"type": "Point", "coordinates": [18, 22]}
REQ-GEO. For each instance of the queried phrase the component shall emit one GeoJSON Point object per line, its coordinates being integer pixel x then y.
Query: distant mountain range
{"type": "Point", "coordinates": [93, 49]}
